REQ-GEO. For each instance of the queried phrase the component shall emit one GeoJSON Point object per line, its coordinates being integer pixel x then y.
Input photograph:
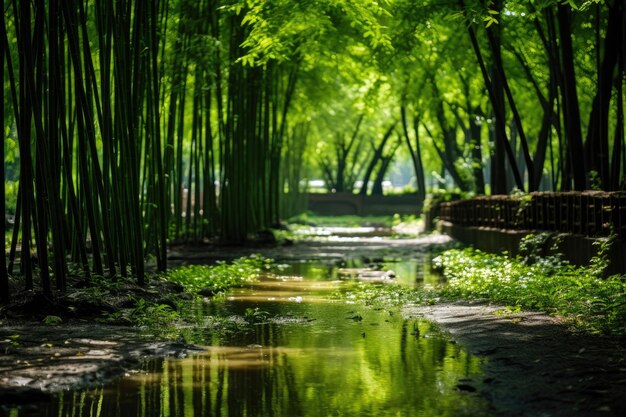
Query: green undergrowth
{"type": "Point", "coordinates": [175, 307]}
{"type": "Point", "coordinates": [582, 296]}
{"type": "Point", "coordinates": [311, 219]}
{"type": "Point", "coordinates": [215, 279]}
{"type": "Point", "coordinates": [579, 294]}
{"type": "Point", "coordinates": [399, 226]}
{"type": "Point", "coordinates": [385, 296]}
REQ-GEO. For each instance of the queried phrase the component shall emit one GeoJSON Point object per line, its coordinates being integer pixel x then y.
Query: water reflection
{"type": "Point", "coordinates": [411, 273]}
{"type": "Point", "coordinates": [311, 357]}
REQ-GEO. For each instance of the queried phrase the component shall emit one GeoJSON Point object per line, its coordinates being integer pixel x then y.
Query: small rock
{"type": "Point", "coordinates": [465, 387]}
{"type": "Point", "coordinates": [207, 292]}
{"type": "Point", "coordinates": [174, 286]}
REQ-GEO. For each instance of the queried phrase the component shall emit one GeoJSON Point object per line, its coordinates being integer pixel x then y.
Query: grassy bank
{"type": "Point", "coordinates": [159, 307]}
{"type": "Point", "coordinates": [579, 294]}
{"type": "Point", "coordinates": [582, 296]}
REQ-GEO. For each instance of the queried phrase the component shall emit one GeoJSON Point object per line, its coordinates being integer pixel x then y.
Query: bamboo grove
{"type": "Point", "coordinates": [128, 139]}
{"type": "Point", "coordinates": [129, 125]}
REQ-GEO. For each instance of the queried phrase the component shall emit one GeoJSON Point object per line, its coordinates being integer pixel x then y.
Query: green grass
{"type": "Point", "coordinates": [387, 296]}
{"type": "Point", "coordinates": [168, 314]}
{"type": "Point", "coordinates": [584, 298]}
{"type": "Point", "coordinates": [218, 278]}
{"type": "Point", "coordinates": [389, 221]}
{"type": "Point", "coordinates": [580, 295]}
{"type": "Point", "coordinates": [312, 219]}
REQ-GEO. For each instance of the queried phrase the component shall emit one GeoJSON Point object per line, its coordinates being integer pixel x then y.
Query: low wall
{"type": "Point", "coordinates": [354, 204]}
{"type": "Point", "coordinates": [575, 248]}
{"type": "Point", "coordinates": [589, 213]}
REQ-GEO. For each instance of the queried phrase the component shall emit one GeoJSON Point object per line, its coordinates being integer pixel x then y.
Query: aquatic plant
{"type": "Point", "coordinates": [385, 296]}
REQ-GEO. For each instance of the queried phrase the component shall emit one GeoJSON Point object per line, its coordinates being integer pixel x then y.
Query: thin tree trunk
{"type": "Point", "coordinates": [496, 96]}
{"type": "Point", "coordinates": [416, 154]}
{"type": "Point", "coordinates": [4, 277]}
{"type": "Point", "coordinates": [597, 141]}
{"type": "Point", "coordinates": [378, 154]}
{"type": "Point", "coordinates": [571, 110]}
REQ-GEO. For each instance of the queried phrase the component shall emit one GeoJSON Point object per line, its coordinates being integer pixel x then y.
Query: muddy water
{"type": "Point", "coordinates": [286, 347]}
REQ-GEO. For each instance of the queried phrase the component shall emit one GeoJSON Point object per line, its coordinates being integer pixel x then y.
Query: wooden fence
{"type": "Point", "coordinates": [590, 213]}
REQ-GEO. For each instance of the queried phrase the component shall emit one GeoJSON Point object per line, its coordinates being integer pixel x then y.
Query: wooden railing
{"type": "Point", "coordinates": [591, 213]}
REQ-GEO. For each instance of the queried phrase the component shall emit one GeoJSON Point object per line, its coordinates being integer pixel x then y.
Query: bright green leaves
{"type": "Point", "coordinates": [220, 277]}
{"type": "Point", "coordinates": [285, 30]}
{"type": "Point", "coordinates": [491, 18]}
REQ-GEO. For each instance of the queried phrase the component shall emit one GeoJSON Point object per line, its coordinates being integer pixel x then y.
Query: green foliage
{"type": "Point", "coordinates": [580, 295]}
{"type": "Point", "coordinates": [159, 319]}
{"type": "Point", "coordinates": [52, 320]}
{"type": "Point", "coordinates": [221, 277]}
{"type": "Point", "coordinates": [534, 246]}
{"type": "Point", "coordinates": [11, 188]}
{"type": "Point", "coordinates": [508, 310]}
{"type": "Point", "coordinates": [255, 315]}
{"type": "Point", "coordinates": [284, 29]}
{"type": "Point", "coordinates": [312, 219]}
{"type": "Point", "coordinates": [382, 296]}
{"type": "Point", "coordinates": [152, 315]}
{"type": "Point", "coordinates": [14, 338]}
{"type": "Point", "coordinates": [600, 262]}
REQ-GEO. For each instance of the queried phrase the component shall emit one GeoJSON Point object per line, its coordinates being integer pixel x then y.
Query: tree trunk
{"type": "Point", "coordinates": [597, 141]}
{"type": "Point", "coordinates": [378, 154]}
{"type": "Point", "coordinates": [571, 111]}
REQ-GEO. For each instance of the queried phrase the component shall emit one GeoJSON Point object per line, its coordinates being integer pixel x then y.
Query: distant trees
{"type": "Point", "coordinates": [506, 85]}
{"type": "Point", "coordinates": [582, 163]}
{"type": "Point", "coordinates": [342, 165]}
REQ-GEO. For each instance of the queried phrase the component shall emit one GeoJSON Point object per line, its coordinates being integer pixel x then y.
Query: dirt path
{"type": "Point", "coordinates": [534, 365]}
{"type": "Point", "coordinates": [330, 248]}
{"type": "Point", "coordinates": [36, 359]}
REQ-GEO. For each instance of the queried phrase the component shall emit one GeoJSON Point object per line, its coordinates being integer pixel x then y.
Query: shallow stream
{"type": "Point", "coordinates": [295, 351]}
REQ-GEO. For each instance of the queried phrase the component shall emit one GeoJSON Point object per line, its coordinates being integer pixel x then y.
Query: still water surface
{"type": "Point", "coordinates": [296, 351]}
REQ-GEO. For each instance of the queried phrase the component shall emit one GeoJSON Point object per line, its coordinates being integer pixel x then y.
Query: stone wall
{"type": "Point", "coordinates": [354, 204]}
{"type": "Point", "coordinates": [577, 249]}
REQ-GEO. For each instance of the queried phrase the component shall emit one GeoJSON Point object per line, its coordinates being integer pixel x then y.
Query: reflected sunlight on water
{"type": "Point", "coordinates": [305, 355]}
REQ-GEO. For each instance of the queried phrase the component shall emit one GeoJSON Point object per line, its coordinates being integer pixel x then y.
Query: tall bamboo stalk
{"type": "Point", "coordinates": [4, 276]}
